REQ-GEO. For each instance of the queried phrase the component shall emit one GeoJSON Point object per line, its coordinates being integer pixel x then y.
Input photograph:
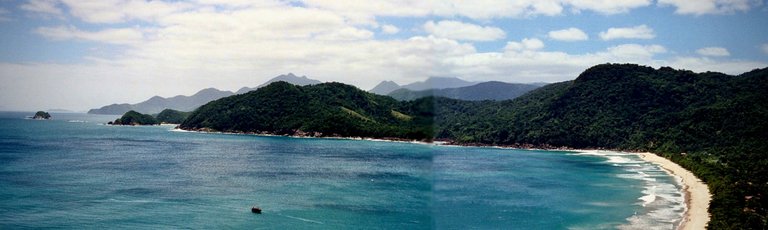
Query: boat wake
{"type": "Point", "coordinates": [301, 219]}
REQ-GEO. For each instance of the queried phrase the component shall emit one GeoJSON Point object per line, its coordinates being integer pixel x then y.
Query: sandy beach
{"type": "Point", "coordinates": [697, 194]}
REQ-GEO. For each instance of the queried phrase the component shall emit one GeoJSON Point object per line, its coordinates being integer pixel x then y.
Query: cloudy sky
{"type": "Point", "coordinates": [76, 54]}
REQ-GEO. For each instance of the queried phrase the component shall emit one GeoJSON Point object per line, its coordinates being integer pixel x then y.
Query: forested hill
{"type": "Point", "coordinates": [713, 124]}
{"type": "Point", "coordinates": [328, 109]}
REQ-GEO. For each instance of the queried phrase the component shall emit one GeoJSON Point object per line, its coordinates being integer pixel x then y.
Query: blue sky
{"type": "Point", "coordinates": [83, 54]}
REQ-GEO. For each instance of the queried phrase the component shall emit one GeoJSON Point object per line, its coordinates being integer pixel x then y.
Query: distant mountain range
{"type": "Point", "coordinates": [454, 88]}
{"type": "Point", "coordinates": [492, 90]}
{"type": "Point", "coordinates": [386, 87]}
{"type": "Point", "coordinates": [157, 104]}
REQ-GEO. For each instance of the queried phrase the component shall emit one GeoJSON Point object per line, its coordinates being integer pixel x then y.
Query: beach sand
{"type": "Point", "coordinates": [697, 194]}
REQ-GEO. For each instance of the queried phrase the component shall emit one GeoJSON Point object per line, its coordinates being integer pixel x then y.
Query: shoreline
{"type": "Point", "coordinates": [697, 195]}
{"type": "Point", "coordinates": [696, 192]}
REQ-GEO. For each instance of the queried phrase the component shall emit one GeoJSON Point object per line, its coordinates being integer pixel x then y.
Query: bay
{"type": "Point", "coordinates": [74, 172]}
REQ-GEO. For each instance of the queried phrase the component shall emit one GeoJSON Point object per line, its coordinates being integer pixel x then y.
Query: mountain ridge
{"type": "Point", "coordinates": [157, 104]}
{"type": "Point", "coordinates": [290, 78]}
{"type": "Point", "coordinates": [385, 87]}
{"type": "Point", "coordinates": [490, 90]}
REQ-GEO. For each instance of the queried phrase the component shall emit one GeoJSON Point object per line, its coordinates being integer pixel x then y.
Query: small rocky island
{"type": "Point", "coordinates": [42, 115]}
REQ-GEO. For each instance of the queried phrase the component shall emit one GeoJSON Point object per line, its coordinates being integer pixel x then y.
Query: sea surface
{"type": "Point", "coordinates": [74, 172]}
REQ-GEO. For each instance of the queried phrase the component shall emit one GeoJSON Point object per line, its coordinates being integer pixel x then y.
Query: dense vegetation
{"type": "Point", "coordinates": [170, 116]}
{"type": "Point", "coordinates": [714, 124]}
{"type": "Point", "coordinates": [328, 109]}
{"type": "Point", "coordinates": [42, 115]}
{"type": "Point", "coordinates": [135, 118]}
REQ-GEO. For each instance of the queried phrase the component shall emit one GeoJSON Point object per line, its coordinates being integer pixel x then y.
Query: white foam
{"type": "Point", "coordinates": [650, 195]}
{"type": "Point", "coordinates": [663, 201]}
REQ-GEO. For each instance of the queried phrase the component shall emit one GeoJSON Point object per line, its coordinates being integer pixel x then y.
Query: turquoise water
{"type": "Point", "coordinates": [73, 172]}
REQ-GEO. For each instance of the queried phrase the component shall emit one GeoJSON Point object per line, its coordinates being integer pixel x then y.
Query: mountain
{"type": "Point", "coordinates": [327, 109]}
{"type": "Point", "coordinates": [290, 78]}
{"type": "Point", "coordinates": [492, 90]}
{"type": "Point", "coordinates": [157, 104]}
{"type": "Point", "coordinates": [385, 87]}
{"type": "Point", "coordinates": [438, 83]}
{"type": "Point", "coordinates": [113, 109]}
{"type": "Point", "coordinates": [713, 124]}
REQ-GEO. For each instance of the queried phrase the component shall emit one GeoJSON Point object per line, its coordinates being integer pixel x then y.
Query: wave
{"type": "Point", "coordinates": [662, 202]}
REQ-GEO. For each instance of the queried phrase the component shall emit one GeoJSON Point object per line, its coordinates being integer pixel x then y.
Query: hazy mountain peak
{"type": "Point", "coordinates": [491, 90]}
{"type": "Point", "coordinates": [435, 82]}
{"type": "Point", "coordinates": [385, 87]}
{"type": "Point", "coordinates": [289, 77]}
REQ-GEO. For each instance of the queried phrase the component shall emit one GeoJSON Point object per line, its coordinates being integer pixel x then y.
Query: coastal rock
{"type": "Point", "coordinates": [42, 115]}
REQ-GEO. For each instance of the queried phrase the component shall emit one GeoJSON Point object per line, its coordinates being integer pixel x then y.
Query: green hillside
{"type": "Point", "coordinates": [135, 118]}
{"type": "Point", "coordinates": [171, 116]}
{"type": "Point", "coordinates": [328, 109]}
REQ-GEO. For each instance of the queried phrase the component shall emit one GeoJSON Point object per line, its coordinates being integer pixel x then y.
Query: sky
{"type": "Point", "coordinates": [77, 55]}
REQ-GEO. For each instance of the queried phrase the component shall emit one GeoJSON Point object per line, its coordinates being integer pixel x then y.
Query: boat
{"type": "Point", "coordinates": [256, 210]}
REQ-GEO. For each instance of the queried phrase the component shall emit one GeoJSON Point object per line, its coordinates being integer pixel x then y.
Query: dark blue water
{"type": "Point", "coordinates": [72, 172]}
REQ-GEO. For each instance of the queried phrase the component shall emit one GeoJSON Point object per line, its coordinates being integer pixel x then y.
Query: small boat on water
{"type": "Point", "coordinates": [256, 210]}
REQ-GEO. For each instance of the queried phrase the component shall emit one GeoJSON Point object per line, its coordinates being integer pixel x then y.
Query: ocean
{"type": "Point", "coordinates": [74, 172]}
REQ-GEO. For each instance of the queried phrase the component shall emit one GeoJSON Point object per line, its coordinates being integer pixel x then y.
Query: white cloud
{"type": "Point", "coordinates": [182, 47]}
{"type": "Point", "coordinates": [49, 7]}
{"type": "Point", "coordinates": [764, 47]}
{"type": "Point", "coordinates": [116, 11]}
{"type": "Point", "coordinates": [463, 31]}
{"type": "Point", "coordinates": [637, 32]}
{"type": "Point", "coordinates": [390, 29]}
{"type": "Point", "coordinates": [478, 9]}
{"type": "Point", "coordinates": [113, 36]}
{"type": "Point", "coordinates": [701, 7]}
{"type": "Point", "coordinates": [608, 6]}
{"type": "Point", "coordinates": [527, 44]}
{"type": "Point", "coordinates": [570, 34]}
{"type": "Point", "coordinates": [703, 64]}
{"type": "Point", "coordinates": [631, 51]}
{"type": "Point", "coordinates": [713, 51]}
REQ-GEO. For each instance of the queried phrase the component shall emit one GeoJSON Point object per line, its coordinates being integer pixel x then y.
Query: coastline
{"type": "Point", "coordinates": [697, 195]}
